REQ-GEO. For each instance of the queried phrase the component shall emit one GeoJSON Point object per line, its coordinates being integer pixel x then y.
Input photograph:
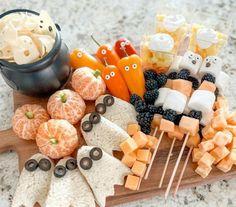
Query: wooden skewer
{"type": "Point", "coordinates": [182, 172]}
{"type": "Point", "coordinates": [154, 153]}
{"type": "Point", "coordinates": [167, 163]}
{"type": "Point", "coordinates": [176, 166]}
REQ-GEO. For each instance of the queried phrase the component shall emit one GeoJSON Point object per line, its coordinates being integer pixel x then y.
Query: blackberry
{"type": "Point", "coordinates": [153, 109]}
{"type": "Point", "coordinates": [160, 110]}
{"type": "Point", "coordinates": [183, 74]}
{"type": "Point", "coordinates": [208, 77]}
{"type": "Point", "coordinates": [146, 130]}
{"type": "Point", "coordinates": [217, 92]}
{"type": "Point", "coordinates": [178, 118]}
{"type": "Point", "coordinates": [195, 114]}
{"type": "Point", "coordinates": [172, 75]}
{"type": "Point", "coordinates": [161, 79]}
{"type": "Point", "coordinates": [134, 98]}
{"type": "Point", "coordinates": [144, 119]}
{"type": "Point", "coordinates": [140, 106]}
{"type": "Point", "coordinates": [151, 96]}
{"type": "Point", "coordinates": [150, 75]}
{"type": "Point", "coordinates": [151, 84]}
{"type": "Point", "coordinates": [195, 83]}
{"type": "Point", "coordinates": [170, 115]}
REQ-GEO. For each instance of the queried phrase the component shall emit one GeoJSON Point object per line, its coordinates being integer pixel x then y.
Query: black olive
{"type": "Point", "coordinates": [86, 163]}
{"type": "Point", "coordinates": [94, 118]}
{"type": "Point", "coordinates": [31, 165]}
{"type": "Point", "coordinates": [109, 100]}
{"type": "Point", "coordinates": [71, 164]}
{"type": "Point", "coordinates": [100, 108]}
{"type": "Point", "coordinates": [45, 164]}
{"type": "Point", "coordinates": [95, 153]}
{"type": "Point", "coordinates": [87, 126]}
{"type": "Point", "coordinates": [59, 171]}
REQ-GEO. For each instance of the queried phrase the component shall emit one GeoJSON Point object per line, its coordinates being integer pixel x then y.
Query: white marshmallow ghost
{"type": "Point", "coordinates": [161, 42]}
{"type": "Point", "coordinates": [191, 61]}
{"type": "Point", "coordinates": [212, 65]}
{"type": "Point", "coordinates": [163, 93]}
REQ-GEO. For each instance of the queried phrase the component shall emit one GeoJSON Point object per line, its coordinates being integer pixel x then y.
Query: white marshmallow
{"type": "Point", "coordinates": [212, 65]}
{"type": "Point", "coordinates": [175, 101]}
{"type": "Point", "coordinates": [222, 82]}
{"type": "Point", "coordinates": [172, 22]}
{"type": "Point", "coordinates": [174, 67]}
{"type": "Point", "coordinates": [206, 37]}
{"type": "Point", "coordinates": [161, 42]}
{"type": "Point", "coordinates": [163, 92]}
{"type": "Point", "coordinates": [202, 100]}
{"type": "Point", "coordinates": [191, 61]}
{"type": "Point", "coordinates": [206, 118]}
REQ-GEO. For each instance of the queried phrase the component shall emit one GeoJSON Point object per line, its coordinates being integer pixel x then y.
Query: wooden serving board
{"type": "Point", "coordinates": [24, 149]}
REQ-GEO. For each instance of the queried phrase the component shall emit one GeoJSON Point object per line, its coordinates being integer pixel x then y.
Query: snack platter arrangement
{"type": "Point", "coordinates": [123, 124]}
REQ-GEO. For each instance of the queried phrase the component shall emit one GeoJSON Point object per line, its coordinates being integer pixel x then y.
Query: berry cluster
{"type": "Point", "coordinates": [195, 114]}
{"type": "Point", "coordinates": [209, 77]}
{"type": "Point", "coordinates": [183, 74]}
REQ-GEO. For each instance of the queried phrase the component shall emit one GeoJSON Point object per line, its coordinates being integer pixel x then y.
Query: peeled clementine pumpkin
{"type": "Point", "coordinates": [57, 138]}
{"type": "Point", "coordinates": [27, 120]}
{"type": "Point", "coordinates": [66, 104]}
{"type": "Point", "coordinates": [88, 83]}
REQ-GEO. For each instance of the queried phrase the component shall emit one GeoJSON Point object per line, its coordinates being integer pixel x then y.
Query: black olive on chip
{"type": "Point", "coordinates": [109, 100]}
{"type": "Point", "coordinates": [100, 108]}
{"type": "Point", "coordinates": [94, 118]}
{"type": "Point", "coordinates": [87, 126]}
{"type": "Point", "coordinates": [71, 164]}
{"type": "Point", "coordinates": [45, 164]}
{"type": "Point", "coordinates": [86, 163]}
{"type": "Point", "coordinates": [95, 153]}
{"type": "Point", "coordinates": [31, 165]}
{"type": "Point", "coordinates": [59, 171]}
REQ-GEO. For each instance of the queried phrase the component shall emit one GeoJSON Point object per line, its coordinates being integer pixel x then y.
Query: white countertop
{"type": "Point", "coordinates": [109, 20]}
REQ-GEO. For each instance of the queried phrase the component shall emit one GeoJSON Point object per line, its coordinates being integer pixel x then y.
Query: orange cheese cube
{"type": "Point", "coordinates": [128, 146]}
{"type": "Point", "coordinates": [189, 125]}
{"type": "Point", "coordinates": [208, 132]}
{"type": "Point", "coordinates": [177, 133]}
{"type": "Point", "coordinates": [232, 129]}
{"type": "Point", "coordinates": [203, 170]}
{"type": "Point", "coordinates": [193, 141]}
{"type": "Point", "coordinates": [232, 156]}
{"type": "Point", "coordinates": [129, 159]}
{"type": "Point", "coordinates": [231, 118]}
{"type": "Point", "coordinates": [133, 128]}
{"type": "Point", "coordinates": [132, 182]}
{"type": "Point", "coordinates": [140, 138]}
{"type": "Point", "coordinates": [206, 146]}
{"type": "Point", "coordinates": [232, 144]}
{"type": "Point", "coordinates": [143, 155]}
{"type": "Point", "coordinates": [139, 168]}
{"type": "Point", "coordinates": [156, 120]}
{"type": "Point", "coordinates": [152, 142]}
{"type": "Point", "coordinates": [169, 84]}
{"type": "Point", "coordinates": [222, 103]}
{"type": "Point", "coordinates": [207, 159]}
{"type": "Point", "coordinates": [167, 126]}
{"type": "Point", "coordinates": [225, 165]}
{"type": "Point", "coordinates": [183, 86]}
{"type": "Point", "coordinates": [221, 139]}
{"type": "Point", "coordinates": [219, 122]}
{"type": "Point", "coordinates": [207, 86]}
{"type": "Point", "coordinates": [221, 112]}
{"type": "Point", "coordinates": [219, 153]}
{"type": "Point", "coordinates": [197, 154]}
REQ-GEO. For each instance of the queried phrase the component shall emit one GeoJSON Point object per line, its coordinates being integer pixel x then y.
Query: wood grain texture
{"type": "Point", "coordinates": [149, 187]}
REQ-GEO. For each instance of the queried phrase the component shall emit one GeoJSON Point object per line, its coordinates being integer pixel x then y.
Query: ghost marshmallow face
{"type": "Point", "coordinates": [212, 65]}
{"type": "Point", "coordinates": [191, 61]}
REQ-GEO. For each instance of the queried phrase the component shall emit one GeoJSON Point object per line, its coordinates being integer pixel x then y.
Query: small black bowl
{"type": "Point", "coordinates": [43, 77]}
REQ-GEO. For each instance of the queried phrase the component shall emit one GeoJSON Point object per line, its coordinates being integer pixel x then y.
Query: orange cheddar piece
{"type": "Point", "coordinates": [140, 138]}
{"type": "Point", "coordinates": [203, 170]}
{"type": "Point", "coordinates": [232, 156]}
{"type": "Point", "coordinates": [219, 153]}
{"type": "Point", "coordinates": [232, 129]}
{"type": "Point", "coordinates": [169, 84]}
{"type": "Point", "coordinates": [193, 141]}
{"type": "Point", "coordinates": [207, 159]}
{"type": "Point", "coordinates": [143, 155]}
{"type": "Point", "coordinates": [139, 168]}
{"type": "Point", "coordinates": [221, 112]}
{"type": "Point", "coordinates": [232, 145]}
{"type": "Point", "coordinates": [167, 126]}
{"type": "Point", "coordinates": [231, 119]}
{"type": "Point", "coordinates": [207, 86]}
{"type": "Point", "coordinates": [132, 182]}
{"type": "Point", "coordinates": [156, 120]}
{"type": "Point", "coordinates": [129, 159]}
{"type": "Point", "coordinates": [177, 133]}
{"type": "Point", "coordinates": [222, 103]}
{"type": "Point", "coordinates": [152, 142]}
{"type": "Point", "coordinates": [219, 122]}
{"type": "Point", "coordinates": [197, 154]}
{"type": "Point", "coordinates": [208, 132]}
{"type": "Point", "coordinates": [133, 128]}
{"type": "Point", "coordinates": [225, 165]}
{"type": "Point", "coordinates": [183, 86]}
{"type": "Point", "coordinates": [221, 139]}
{"type": "Point", "coordinates": [206, 146]}
{"type": "Point", "coordinates": [128, 146]}
{"type": "Point", "coordinates": [189, 125]}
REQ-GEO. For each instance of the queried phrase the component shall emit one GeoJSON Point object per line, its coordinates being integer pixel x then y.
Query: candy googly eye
{"type": "Point", "coordinates": [107, 77]}
{"type": "Point", "coordinates": [79, 54]}
{"type": "Point", "coordinates": [104, 52]}
{"type": "Point", "coordinates": [122, 44]}
{"type": "Point", "coordinates": [126, 68]}
{"type": "Point", "coordinates": [112, 74]}
{"type": "Point", "coordinates": [134, 66]}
